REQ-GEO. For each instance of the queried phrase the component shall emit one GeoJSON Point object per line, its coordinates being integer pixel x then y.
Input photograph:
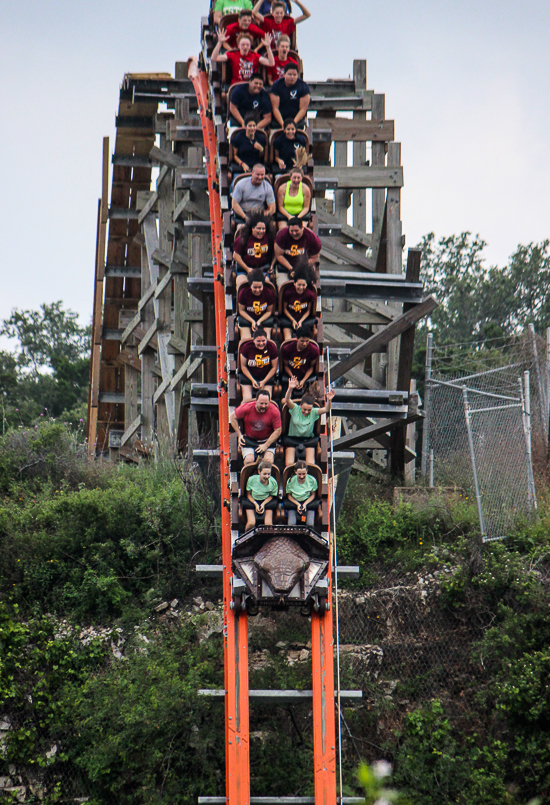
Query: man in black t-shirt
{"type": "Point", "coordinates": [258, 362]}
{"type": "Point", "coordinates": [250, 97]}
{"type": "Point", "coordinates": [290, 98]}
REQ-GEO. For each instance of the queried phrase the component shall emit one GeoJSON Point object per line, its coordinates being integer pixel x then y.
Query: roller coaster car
{"type": "Point", "coordinates": [280, 566]}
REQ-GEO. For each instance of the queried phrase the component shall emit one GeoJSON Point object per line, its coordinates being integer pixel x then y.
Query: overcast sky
{"type": "Point", "coordinates": [466, 83]}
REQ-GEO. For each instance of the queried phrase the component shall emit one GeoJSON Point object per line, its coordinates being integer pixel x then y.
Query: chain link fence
{"type": "Point", "coordinates": [486, 425]}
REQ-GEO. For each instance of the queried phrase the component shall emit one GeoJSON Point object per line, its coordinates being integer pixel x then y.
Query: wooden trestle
{"type": "Point", "coordinates": [163, 324]}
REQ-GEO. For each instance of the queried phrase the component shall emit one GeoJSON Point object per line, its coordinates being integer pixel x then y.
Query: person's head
{"type": "Point", "coordinates": [306, 404]}
{"type": "Point", "coordinates": [250, 124]}
{"type": "Point", "coordinates": [244, 43]}
{"type": "Point", "coordinates": [260, 338]}
{"type": "Point", "coordinates": [296, 176]}
{"type": "Point", "coordinates": [256, 281]}
{"type": "Point", "coordinates": [278, 10]}
{"type": "Point", "coordinates": [264, 470]}
{"type": "Point", "coordinates": [255, 83]}
{"type": "Point", "coordinates": [263, 398]}
{"type": "Point", "coordinates": [290, 128]}
{"type": "Point", "coordinates": [291, 74]}
{"type": "Point", "coordinates": [295, 226]}
{"type": "Point", "coordinates": [283, 46]}
{"type": "Point", "coordinates": [301, 279]}
{"type": "Point", "coordinates": [256, 226]}
{"type": "Point", "coordinates": [258, 174]}
{"type": "Point", "coordinates": [303, 337]}
{"type": "Point", "coordinates": [245, 18]}
{"type": "Point", "coordinates": [301, 470]}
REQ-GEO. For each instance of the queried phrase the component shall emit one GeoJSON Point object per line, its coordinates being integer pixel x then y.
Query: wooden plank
{"type": "Point", "coordinates": [127, 358]}
{"type": "Point", "coordinates": [131, 430]}
{"type": "Point", "coordinates": [185, 371]}
{"type": "Point", "coordinates": [384, 336]}
{"type": "Point", "coordinates": [144, 343]}
{"type": "Point", "coordinates": [348, 256]}
{"type": "Point", "coordinates": [344, 130]}
{"type": "Point", "coordinates": [354, 234]}
{"type": "Point", "coordinates": [167, 158]}
{"type": "Point", "coordinates": [148, 208]}
{"type": "Point", "coordinates": [368, 176]}
{"type": "Point", "coordinates": [187, 205]}
{"type": "Point", "coordinates": [177, 346]}
{"type": "Point", "coordinates": [161, 389]}
{"type": "Point", "coordinates": [163, 284]}
{"type": "Point", "coordinates": [371, 431]}
{"type": "Point", "coordinates": [354, 317]}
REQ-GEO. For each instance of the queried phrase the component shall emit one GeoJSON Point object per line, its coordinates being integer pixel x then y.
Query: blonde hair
{"type": "Point", "coordinates": [283, 38]}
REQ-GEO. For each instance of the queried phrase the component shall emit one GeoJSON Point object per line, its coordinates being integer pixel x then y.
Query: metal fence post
{"type": "Point", "coordinates": [541, 402]}
{"type": "Point", "coordinates": [427, 407]}
{"type": "Point", "coordinates": [525, 391]}
{"type": "Point", "coordinates": [473, 458]}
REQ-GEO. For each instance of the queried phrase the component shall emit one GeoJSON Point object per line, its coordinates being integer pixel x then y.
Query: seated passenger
{"type": "Point", "coordinates": [223, 7]}
{"type": "Point", "coordinates": [251, 98]}
{"type": "Point", "coordinates": [292, 245]}
{"type": "Point", "coordinates": [248, 146]}
{"type": "Point", "coordinates": [262, 427]}
{"type": "Point", "coordinates": [255, 304]}
{"type": "Point", "coordinates": [293, 198]}
{"type": "Point", "coordinates": [299, 357]}
{"type": "Point", "coordinates": [253, 194]}
{"type": "Point", "coordinates": [258, 362]}
{"type": "Point", "coordinates": [262, 496]}
{"type": "Point", "coordinates": [303, 416]}
{"type": "Point", "coordinates": [301, 495]}
{"type": "Point", "coordinates": [278, 23]}
{"type": "Point", "coordinates": [242, 26]}
{"type": "Point", "coordinates": [298, 303]}
{"type": "Point", "coordinates": [253, 248]}
{"type": "Point", "coordinates": [244, 61]}
{"type": "Point", "coordinates": [281, 60]}
{"type": "Point", "coordinates": [265, 8]}
{"type": "Point", "coordinates": [290, 98]}
{"type": "Point", "coordinates": [286, 146]}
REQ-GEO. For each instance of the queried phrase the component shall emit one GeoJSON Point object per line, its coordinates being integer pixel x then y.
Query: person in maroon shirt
{"type": "Point", "coordinates": [262, 427]}
{"type": "Point", "coordinates": [244, 25]}
{"type": "Point", "coordinates": [277, 23]}
{"type": "Point", "coordinates": [244, 62]}
{"type": "Point", "coordinates": [281, 60]}
{"type": "Point", "coordinates": [253, 248]}
{"type": "Point", "coordinates": [293, 244]}
{"type": "Point", "coordinates": [258, 363]}
{"type": "Point", "coordinates": [299, 357]}
{"type": "Point", "coordinates": [298, 302]}
{"type": "Point", "coordinates": [256, 303]}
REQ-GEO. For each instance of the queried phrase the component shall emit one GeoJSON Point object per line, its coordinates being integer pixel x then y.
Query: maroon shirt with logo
{"type": "Point", "coordinates": [256, 253]}
{"type": "Point", "coordinates": [300, 362]}
{"type": "Point", "coordinates": [256, 425]}
{"type": "Point", "coordinates": [258, 361]}
{"type": "Point", "coordinates": [307, 244]}
{"type": "Point", "coordinates": [256, 306]}
{"type": "Point", "coordinates": [295, 304]}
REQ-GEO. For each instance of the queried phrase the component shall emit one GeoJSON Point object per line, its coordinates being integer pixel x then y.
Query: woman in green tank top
{"type": "Point", "coordinates": [293, 198]}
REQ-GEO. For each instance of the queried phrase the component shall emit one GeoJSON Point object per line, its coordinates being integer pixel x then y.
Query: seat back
{"type": "Point", "coordinates": [285, 419]}
{"type": "Point", "coordinates": [228, 19]}
{"type": "Point", "coordinates": [312, 469]}
{"type": "Point", "coordinates": [225, 80]}
{"type": "Point", "coordinates": [252, 469]}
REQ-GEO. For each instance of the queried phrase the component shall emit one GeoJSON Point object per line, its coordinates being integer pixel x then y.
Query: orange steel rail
{"type": "Point", "coordinates": [237, 754]}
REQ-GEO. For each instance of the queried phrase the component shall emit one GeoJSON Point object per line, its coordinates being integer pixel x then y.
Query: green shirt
{"type": "Point", "coordinates": [232, 6]}
{"type": "Point", "coordinates": [259, 491]}
{"type": "Point", "coordinates": [300, 425]}
{"type": "Point", "coordinates": [301, 492]}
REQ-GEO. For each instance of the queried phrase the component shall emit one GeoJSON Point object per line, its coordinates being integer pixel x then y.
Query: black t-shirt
{"type": "Point", "coordinates": [258, 361]}
{"type": "Point", "coordinates": [289, 105]}
{"type": "Point", "coordinates": [287, 148]}
{"type": "Point", "coordinates": [244, 148]}
{"type": "Point", "coordinates": [246, 102]}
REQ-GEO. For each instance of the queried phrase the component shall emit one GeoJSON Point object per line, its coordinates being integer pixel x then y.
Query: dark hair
{"type": "Point", "coordinates": [259, 333]}
{"type": "Point", "coordinates": [308, 399]}
{"type": "Point", "coordinates": [256, 75]}
{"type": "Point", "coordinates": [296, 222]}
{"type": "Point", "coordinates": [263, 391]}
{"type": "Point", "coordinates": [245, 12]}
{"type": "Point", "coordinates": [249, 117]}
{"type": "Point", "coordinates": [300, 465]}
{"type": "Point", "coordinates": [256, 276]}
{"type": "Point", "coordinates": [291, 66]}
{"type": "Point", "coordinates": [304, 332]}
{"type": "Point", "coordinates": [254, 218]}
{"type": "Point", "coordinates": [303, 272]}
{"type": "Point", "coordinates": [276, 3]}
{"type": "Point", "coordinates": [288, 122]}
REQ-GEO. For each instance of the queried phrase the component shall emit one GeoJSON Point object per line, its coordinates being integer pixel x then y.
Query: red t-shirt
{"type": "Point", "coordinates": [258, 361]}
{"type": "Point", "coordinates": [300, 362]}
{"type": "Point", "coordinates": [242, 67]}
{"type": "Point", "coordinates": [279, 70]}
{"type": "Point", "coordinates": [256, 306]}
{"type": "Point", "coordinates": [256, 425]}
{"type": "Point", "coordinates": [232, 31]}
{"type": "Point", "coordinates": [307, 244]}
{"type": "Point", "coordinates": [295, 304]}
{"type": "Point", "coordinates": [287, 26]}
{"type": "Point", "coordinates": [257, 252]}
